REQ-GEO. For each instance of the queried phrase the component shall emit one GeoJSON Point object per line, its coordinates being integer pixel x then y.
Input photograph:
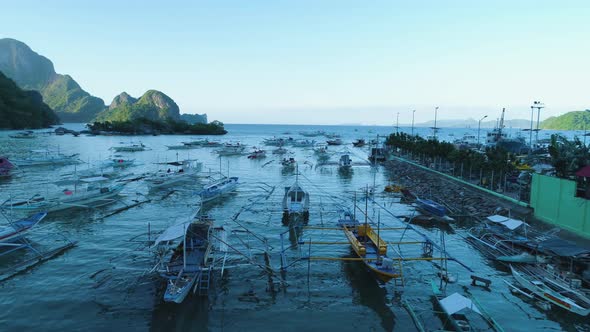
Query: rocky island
{"type": "Point", "coordinates": [20, 109]}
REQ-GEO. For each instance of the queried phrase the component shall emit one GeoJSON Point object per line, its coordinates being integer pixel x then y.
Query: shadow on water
{"type": "Point", "coordinates": [368, 292]}
{"type": "Point", "coordinates": [190, 315]}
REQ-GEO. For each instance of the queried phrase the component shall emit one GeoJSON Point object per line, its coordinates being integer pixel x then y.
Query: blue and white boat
{"type": "Point", "coordinates": [431, 207]}
{"type": "Point", "coordinates": [14, 231]}
{"type": "Point", "coordinates": [218, 188]}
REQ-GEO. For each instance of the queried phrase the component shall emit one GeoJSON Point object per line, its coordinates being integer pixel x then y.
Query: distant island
{"type": "Point", "coordinates": [20, 109]}
{"type": "Point", "coordinates": [31, 71]}
{"type": "Point", "coordinates": [576, 120]}
{"type": "Point", "coordinates": [144, 126]}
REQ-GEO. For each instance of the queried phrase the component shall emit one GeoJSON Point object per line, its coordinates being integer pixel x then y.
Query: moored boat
{"type": "Point", "coordinates": [15, 230]}
{"type": "Point", "coordinates": [5, 167]}
{"type": "Point", "coordinates": [295, 204]}
{"type": "Point", "coordinates": [431, 207]}
{"type": "Point", "coordinates": [545, 289]}
{"type": "Point", "coordinates": [23, 134]}
{"type": "Point", "coordinates": [47, 158]}
{"type": "Point", "coordinates": [218, 188]}
{"type": "Point", "coordinates": [189, 261]}
{"type": "Point", "coordinates": [371, 248]}
{"type": "Point", "coordinates": [130, 147]}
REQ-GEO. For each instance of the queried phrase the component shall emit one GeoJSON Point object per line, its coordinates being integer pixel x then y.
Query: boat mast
{"type": "Point", "coordinates": [184, 248]}
{"type": "Point", "coordinates": [378, 235]}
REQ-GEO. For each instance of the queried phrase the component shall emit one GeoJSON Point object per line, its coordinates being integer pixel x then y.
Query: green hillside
{"type": "Point", "coordinates": [32, 71]}
{"type": "Point", "coordinates": [21, 109]}
{"type": "Point", "coordinates": [577, 120]}
{"type": "Point", "coordinates": [153, 105]}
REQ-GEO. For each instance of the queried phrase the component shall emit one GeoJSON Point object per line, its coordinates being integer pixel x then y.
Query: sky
{"type": "Point", "coordinates": [320, 61]}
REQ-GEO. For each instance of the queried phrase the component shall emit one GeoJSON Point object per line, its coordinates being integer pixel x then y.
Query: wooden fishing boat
{"type": "Point", "coordinates": [336, 141]}
{"type": "Point", "coordinates": [552, 292]}
{"type": "Point", "coordinates": [431, 207]}
{"type": "Point", "coordinates": [5, 167]}
{"type": "Point", "coordinates": [218, 188]}
{"type": "Point", "coordinates": [371, 248]}
{"type": "Point", "coordinates": [456, 309]}
{"type": "Point", "coordinates": [131, 147]}
{"type": "Point", "coordinates": [295, 204]}
{"type": "Point", "coordinates": [257, 154]}
{"type": "Point", "coordinates": [15, 230]}
{"type": "Point", "coordinates": [189, 262]}
{"type": "Point", "coordinates": [24, 134]}
{"type": "Point", "coordinates": [178, 172]}
{"type": "Point", "coordinates": [93, 193]}
{"type": "Point", "coordinates": [46, 158]}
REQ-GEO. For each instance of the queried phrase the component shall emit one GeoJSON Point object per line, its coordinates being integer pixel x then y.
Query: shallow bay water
{"type": "Point", "coordinates": [103, 283]}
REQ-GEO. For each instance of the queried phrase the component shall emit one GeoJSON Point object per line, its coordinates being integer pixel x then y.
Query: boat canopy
{"type": "Point", "coordinates": [173, 232]}
{"type": "Point", "coordinates": [563, 248]}
{"type": "Point", "coordinates": [94, 179]}
{"type": "Point", "coordinates": [509, 223]}
{"type": "Point", "coordinates": [457, 302]}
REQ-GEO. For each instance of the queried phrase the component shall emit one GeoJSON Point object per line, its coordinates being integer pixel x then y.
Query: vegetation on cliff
{"type": "Point", "coordinates": [153, 105]}
{"type": "Point", "coordinates": [62, 93]}
{"type": "Point", "coordinates": [577, 120]}
{"type": "Point", "coordinates": [21, 109]}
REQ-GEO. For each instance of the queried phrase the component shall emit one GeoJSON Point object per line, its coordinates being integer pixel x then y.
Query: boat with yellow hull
{"type": "Point", "coordinates": [372, 249]}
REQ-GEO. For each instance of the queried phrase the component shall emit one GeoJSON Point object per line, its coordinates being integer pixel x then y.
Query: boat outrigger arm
{"type": "Point", "coordinates": [425, 237]}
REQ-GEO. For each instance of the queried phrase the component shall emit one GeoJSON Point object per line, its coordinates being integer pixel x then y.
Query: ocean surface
{"type": "Point", "coordinates": [105, 282]}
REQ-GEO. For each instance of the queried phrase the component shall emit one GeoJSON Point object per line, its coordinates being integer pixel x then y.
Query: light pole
{"type": "Point", "coordinates": [538, 105]}
{"type": "Point", "coordinates": [413, 112]}
{"type": "Point", "coordinates": [531, 132]}
{"type": "Point", "coordinates": [478, 128]}
{"type": "Point", "coordinates": [434, 128]}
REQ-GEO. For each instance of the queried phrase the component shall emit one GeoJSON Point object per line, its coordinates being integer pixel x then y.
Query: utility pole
{"type": "Point", "coordinates": [478, 128]}
{"type": "Point", "coordinates": [434, 128]}
{"type": "Point", "coordinates": [413, 112]}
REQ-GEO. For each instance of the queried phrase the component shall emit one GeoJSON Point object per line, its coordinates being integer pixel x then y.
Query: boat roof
{"type": "Point", "coordinates": [509, 223]}
{"type": "Point", "coordinates": [94, 179]}
{"type": "Point", "coordinates": [173, 232]}
{"type": "Point", "coordinates": [457, 302]}
{"type": "Point", "coordinates": [563, 248]}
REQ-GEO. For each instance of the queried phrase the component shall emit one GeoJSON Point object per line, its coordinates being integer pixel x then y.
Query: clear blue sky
{"type": "Point", "coordinates": [320, 61]}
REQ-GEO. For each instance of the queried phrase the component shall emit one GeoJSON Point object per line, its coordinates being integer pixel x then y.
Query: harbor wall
{"type": "Point", "coordinates": [554, 201]}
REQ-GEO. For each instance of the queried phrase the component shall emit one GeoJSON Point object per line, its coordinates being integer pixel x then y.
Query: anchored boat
{"type": "Point", "coordinates": [178, 172]}
{"type": "Point", "coordinates": [15, 230]}
{"type": "Point", "coordinates": [218, 188]}
{"type": "Point", "coordinates": [295, 204]}
{"type": "Point", "coordinates": [189, 261]}
{"type": "Point", "coordinates": [95, 194]}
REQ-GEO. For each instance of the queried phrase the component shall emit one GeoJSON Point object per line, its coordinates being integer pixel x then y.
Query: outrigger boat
{"type": "Point", "coordinates": [370, 247]}
{"type": "Point", "coordinates": [24, 134]}
{"type": "Point", "coordinates": [185, 171]}
{"type": "Point", "coordinates": [15, 230]}
{"type": "Point", "coordinates": [257, 154]}
{"type": "Point", "coordinates": [280, 150]}
{"type": "Point", "coordinates": [218, 188]}
{"type": "Point", "coordinates": [454, 309]}
{"type": "Point", "coordinates": [562, 296]}
{"type": "Point", "coordinates": [230, 149]}
{"type": "Point", "coordinates": [189, 262]}
{"type": "Point", "coordinates": [95, 195]}
{"type": "Point", "coordinates": [46, 158]}
{"type": "Point", "coordinates": [345, 163]}
{"type": "Point", "coordinates": [131, 147]}
{"type": "Point", "coordinates": [295, 204]}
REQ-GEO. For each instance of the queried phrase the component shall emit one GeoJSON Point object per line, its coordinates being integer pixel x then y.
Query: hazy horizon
{"type": "Point", "coordinates": [320, 62]}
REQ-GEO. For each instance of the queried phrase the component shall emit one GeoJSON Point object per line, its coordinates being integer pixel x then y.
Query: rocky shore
{"type": "Point", "coordinates": [461, 200]}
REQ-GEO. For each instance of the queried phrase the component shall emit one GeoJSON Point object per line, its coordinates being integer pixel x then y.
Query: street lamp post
{"type": "Point", "coordinates": [538, 105]}
{"type": "Point", "coordinates": [413, 112]}
{"type": "Point", "coordinates": [478, 128]}
{"type": "Point", "coordinates": [434, 128]}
